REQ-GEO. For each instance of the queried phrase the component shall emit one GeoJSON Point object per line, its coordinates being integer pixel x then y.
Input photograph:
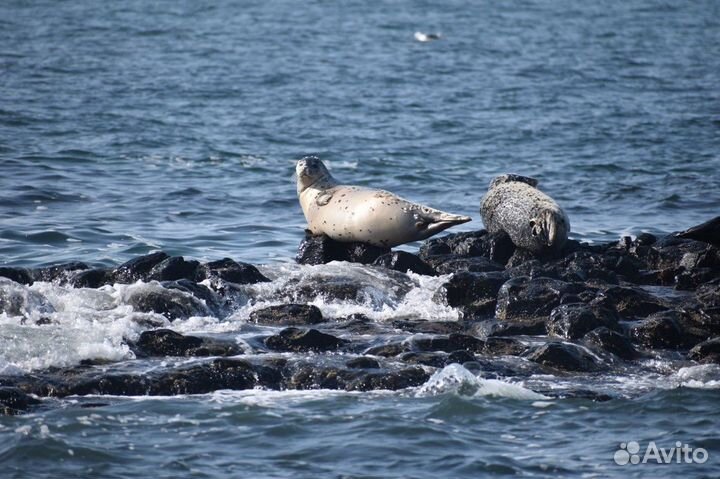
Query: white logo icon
{"type": "Point", "coordinates": [629, 453]}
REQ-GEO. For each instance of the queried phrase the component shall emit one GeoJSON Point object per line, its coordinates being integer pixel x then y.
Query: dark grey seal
{"type": "Point", "coordinates": [532, 219]}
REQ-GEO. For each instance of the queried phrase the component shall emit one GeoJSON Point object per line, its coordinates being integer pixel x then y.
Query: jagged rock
{"type": "Point", "coordinates": [708, 232]}
{"type": "Point", "coordinates": [138, 268]}
{"type": "Point", "coordinates": [322, 249]}
{"type": "Point", "coordinates": [393, 380]}
{"type": "Point", "coordinates": [475, 292]}
{"type": "Point", "coordinates": [294, 339]}
{"type": "Point", "coordinates": [229, 270]}
{"type": "Point", "coordinates": [709, 294]}
{"type": "Point", "coordinates": [527, 298]}
{"type": "Point", "coordinates": [404, 262]}
{"type": "Point", "coordinates": [288, 315]}
{"type": "Point", "coordinates": [574, 320]}
{"type": "Point", "coordinates": [612, 341]}
{"type": "Point", "coordinates": [309, 376]}
{"type": "Point", "coordinates": [19, 275]}
{"type": "Point", "coordinates": [14, 401]}
{"type": "Point", "coordinates": [706, 352]}
{"type": "Point", "coordinates": [564, 356]}
{"type": "Point", "coordinates": [363, 362]}
{"type": "Point", "coordinates": [175, 268]}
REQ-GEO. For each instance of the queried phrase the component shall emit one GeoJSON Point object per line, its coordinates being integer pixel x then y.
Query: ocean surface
{"type": "Point", "coordinates": [130, 127]}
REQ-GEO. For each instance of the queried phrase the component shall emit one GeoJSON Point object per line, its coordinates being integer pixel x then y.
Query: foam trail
{"type": "Point", "coordinates": [456, 379]}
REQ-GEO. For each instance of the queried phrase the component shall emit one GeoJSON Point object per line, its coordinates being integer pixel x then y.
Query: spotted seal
{"type": "Point", "coordinates": [533, 220]}
{"type": "Point", "coordinates": [353, 213]}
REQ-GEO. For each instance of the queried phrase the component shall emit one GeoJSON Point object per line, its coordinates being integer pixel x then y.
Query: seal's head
{"type": "Point", "coordinates": [310, 170]}
{"type": "Point", "coordinates": [549, 229]}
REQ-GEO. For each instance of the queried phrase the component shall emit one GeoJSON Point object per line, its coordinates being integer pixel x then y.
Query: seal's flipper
{"type": "Point", "coordinates": [323, 198]}
{"type": "Point", "coordinates": [511, 177]}
{"type": "Point", "coordinates": [435, 221]}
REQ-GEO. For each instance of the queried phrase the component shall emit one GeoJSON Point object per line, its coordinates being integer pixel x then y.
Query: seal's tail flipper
{"type": "Point", "coordinates": [435, 221]}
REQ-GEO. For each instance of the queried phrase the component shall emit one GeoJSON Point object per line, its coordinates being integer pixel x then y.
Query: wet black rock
{"type": "Point", "coordinates": [363, 362]}
{"type": "Point", "coordinates": [19, 275]}
{"type": "Point", "coordinates": [321, 249]}
{"type": "Point", "coordinates": [174, 268]}
{"type": "Point", "coordinates": [475, 292]}
{"type": "Point", "coordinates": [709, 294]}
{"type": "Point", "coordinates": [459, 357]}
{"type": "Point", "coordinates": [447, 264]}
{"type": "Point", "coordinates": [520, 327]}
{"type": "Point", "coordinates": [138, 268]}
{"type": "Point", "coordinates": [706, 352]}
{"type": "Point", "coordinates": [337, 289]}
{"type": "Point", "coordinates": [564, 356]}
{"type": "Point", "coordinates": [310, 376]}
{"type": "Point", "coordinates": [172, 304]}
{"type": "Point", "coordinates": [526, 298]}
{"type": "Point", "coordinates": [496, 247]}
{"type": "Point", "coordinates": [611, 341]}
{"type": "Point", "coordinates": [388, 350]}
{"type": "Point", "coordinates": [199, 291]}
{"type": "Point", "coordinates": [202, 378]}
{"type": "Point", "coordinates": [404, 262]}
{"type": "Point", "coordinates": [660, 331]}
{"type": "Point", "coordinates": [428, 327]}
{"type": "Point", "coordinates": [630, 301]}
{"type": "Point", "coordinates": [288, 315]}
{"type": "Point", "coordinates": [448, 344]}
{"type": "Point", "coordinates": [165, 342]}
{"type": "Point", "coordinates": [229, 270]}
{"type": "Point", "coordinates": [708, 232]}
{"type": "Point", "coordinates": [392, 380]}
{"type": "Point", "coordinates": [295, 339]}
{"type": "Point", "coordinates": [14, 401]}
{"type": "Point", "coordinates": [58, 273]}
{"type": "Point", "coordinates": [502, 346]}
{"type": "Point", "coordinates": [574, 320]}
{"type": "Point", "coordinates": [426, 358]}
{"type": "Point", "coordinates": [91, 278]}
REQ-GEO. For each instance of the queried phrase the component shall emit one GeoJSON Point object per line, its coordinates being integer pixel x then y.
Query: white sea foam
{"type": "Point", "coordinates": [705, 376]}
{"type": "Point", "coordinates": [456, 379]}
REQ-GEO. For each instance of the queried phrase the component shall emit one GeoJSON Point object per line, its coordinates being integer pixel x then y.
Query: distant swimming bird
{"type": "Point", "coordinates": [353, 213]}
{"type": "Point", "coordinates": [427, 37]}
{"type": "Point", "coordinates": [708, 232]}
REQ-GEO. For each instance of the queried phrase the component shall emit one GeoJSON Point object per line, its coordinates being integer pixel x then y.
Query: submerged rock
{"type": "Point", "coordinates": [288, 315]}
{"type": "Point", "coordinates": [172, 304]}
{"type": "Point", "coordinates": [321, 249]}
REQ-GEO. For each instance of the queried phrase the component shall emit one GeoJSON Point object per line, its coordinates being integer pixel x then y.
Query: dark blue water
{"type": "Point", "coordinates": [127, 127]}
